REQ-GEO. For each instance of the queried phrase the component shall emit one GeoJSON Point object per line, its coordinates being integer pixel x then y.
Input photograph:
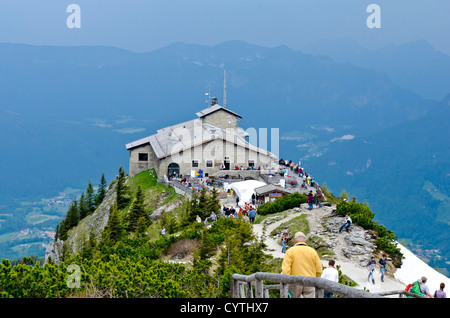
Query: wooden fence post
{"type": "Point", "coordinates": [249, 292]}
{"type": "Point", "coordinates": [259, 288]}
{"type": "Point", "coordinates": [234, 288]}
{"type": "Point", "coordinates": [284, 290]}
{"type": "Point", "coordinates": [319, 293]}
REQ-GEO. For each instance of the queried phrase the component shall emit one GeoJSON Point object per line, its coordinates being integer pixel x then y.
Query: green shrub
{"type": "Point", "coordinates": [285, 203]}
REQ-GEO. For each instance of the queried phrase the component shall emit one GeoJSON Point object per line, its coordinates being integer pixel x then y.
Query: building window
{"type": "Point", "coordinates": [194, 163]}
{"type": "Point", "coordinates": [209, 163]}
{"type": "Point", "coordinates": [251, 163]}
{"type": "Point", "coordinates": [143, 157]}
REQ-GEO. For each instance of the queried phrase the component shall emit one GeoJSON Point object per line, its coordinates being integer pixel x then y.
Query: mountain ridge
{"type": "Point", "coordinates": [86, 97]}
{"type": "Point", "coordinates": [351, 251]}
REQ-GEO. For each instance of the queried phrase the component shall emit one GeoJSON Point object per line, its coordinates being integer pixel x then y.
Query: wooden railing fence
{"type": "Point", "coordinates": [252, 286]}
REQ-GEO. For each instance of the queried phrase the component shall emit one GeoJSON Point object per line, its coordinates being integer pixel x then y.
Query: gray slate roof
{"type": "Point", "coordinates": [213, 109]}
{"type": "Point", "coordinates": [173, 139]}
{"type": "Point", "coordinates": [271, 188]}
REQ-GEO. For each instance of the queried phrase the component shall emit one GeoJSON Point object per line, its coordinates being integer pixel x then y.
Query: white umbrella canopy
{"type": "Point", "coordinates": [245, 189]}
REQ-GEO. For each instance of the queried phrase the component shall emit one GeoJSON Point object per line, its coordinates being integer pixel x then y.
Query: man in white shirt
{"type": "Point", "coordinates": [332, 274]}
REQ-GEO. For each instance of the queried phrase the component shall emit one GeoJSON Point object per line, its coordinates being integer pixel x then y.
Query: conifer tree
{"type": "Point", "coordinates": [344, 195]}
{"type": "Point", "coordinates": [82, 207]}
{"type": "Point", "coordinates": [141, 226]}
{"type": "Point", "coordinates": [201, 205]}
{"type": "Point", "coordinates": [203, 202]}
{"type": "Point", "coordinates": [186, 216]}
{"type": "Point", "coordinates": [213, 204]}
{"type": "Point", "coordinates": [137, 210]}
{"type": "Point", "coordinates": [121, 190]}
{"type": "Point", "coordinates": [57, 232]}
{"type": "Point", "coordinates": [62, 230]}
{"type": "Point", "coordinates": [73, 215]}
{"type": "Point", "coordinates": [101, 191]}
{"type": "Point", "coordinates": [191, 210]}
{"type": "Point", "coordinates": [88, 248]}
{"type": "Point", "coordinates": [114, 229]}
{"type": "Point", "coordinates": [90, 198]}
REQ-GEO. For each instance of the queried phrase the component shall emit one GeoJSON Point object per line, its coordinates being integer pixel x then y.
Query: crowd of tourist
{"type": "Point", "coordinates": [248, 212]}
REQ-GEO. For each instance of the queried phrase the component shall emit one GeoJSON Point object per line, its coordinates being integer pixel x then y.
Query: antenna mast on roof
{"type": "Point", "coordinates": [208, 101]}
{"type": "Point", "coordinates": [225, 88]}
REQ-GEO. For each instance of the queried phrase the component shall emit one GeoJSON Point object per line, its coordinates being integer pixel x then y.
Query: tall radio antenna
{"type": "Point", "coordinates": [225, 88]}
{"type": "Point", "coordinates": [208, 101]}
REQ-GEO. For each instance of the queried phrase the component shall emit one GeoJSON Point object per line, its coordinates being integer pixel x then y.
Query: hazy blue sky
{"type": "Point", "coordinates": [144, 25]}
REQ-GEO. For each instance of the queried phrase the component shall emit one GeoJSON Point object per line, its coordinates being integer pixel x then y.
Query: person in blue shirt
{"type": "Point", "coordinates": [252, 215]}
{"type": "Point", "coordinates": [383, 268]}
{"type": "Point", "coordinates": [346, 225]}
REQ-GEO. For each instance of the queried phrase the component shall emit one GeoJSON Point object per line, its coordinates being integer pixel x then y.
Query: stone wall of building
{"type": "Point", "coordinates": [211, 155]}
{"type": "Point", "coordinates": [136, 165]}
{"type": "Point", "coordinates": [222, 119]}
{"type": "Point", "coordinates": [208, 156]}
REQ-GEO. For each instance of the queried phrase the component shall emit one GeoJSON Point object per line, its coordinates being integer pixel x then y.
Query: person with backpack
{"type": "Point", "coordinates": [440, 293]}
{"type": "Point", "coordinates": [414, 288]}
{"type": "Point", "coordinates": [319, 197]}
{"type": "Point", "coordinates": [310, 198]}
{"type": "Point", "coordinates": [252, 215]}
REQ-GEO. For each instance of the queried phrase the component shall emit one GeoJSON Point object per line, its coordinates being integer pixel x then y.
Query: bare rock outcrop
{"type": "Point", "coordinates": [93, 224]}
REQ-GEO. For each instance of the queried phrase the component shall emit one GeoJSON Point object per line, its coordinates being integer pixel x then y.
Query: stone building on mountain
{"type": "Point", "coordinates": [207, 144]}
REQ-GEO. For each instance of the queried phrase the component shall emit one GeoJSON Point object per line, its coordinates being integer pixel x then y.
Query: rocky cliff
{"type": "Point", "coordinates": [95, 223]}
{"type": "Point", "coordinates": [351, 251]}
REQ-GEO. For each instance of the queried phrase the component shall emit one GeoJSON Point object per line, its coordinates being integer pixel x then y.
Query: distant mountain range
{"type": "Point", "coordinates": [403, 172]}
{"type": "Point", "coordinates": [415, 66]}
{"type": "Point", "coordinates": [67, 112]}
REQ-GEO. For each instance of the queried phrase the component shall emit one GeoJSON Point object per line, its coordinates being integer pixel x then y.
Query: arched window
{"type": "Point", "coordinates": [173, 169]}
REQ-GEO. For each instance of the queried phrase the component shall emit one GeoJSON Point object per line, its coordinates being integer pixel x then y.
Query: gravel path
{"type": "Point", "coordinates": [351, 269]}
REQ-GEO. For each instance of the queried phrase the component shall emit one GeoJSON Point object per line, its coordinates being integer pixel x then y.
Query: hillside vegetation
{"type": "Point", "coordinates": [127, 256]}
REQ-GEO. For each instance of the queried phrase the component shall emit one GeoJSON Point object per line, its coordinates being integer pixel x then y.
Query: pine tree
{"type": "Point", "coordinates": [90, 198]}
{"type": "Point", "coordinates": [63, 229]}
{"type": "Point", "coordinates": [191, 210]}
{"type": "Point", "coordinates": [82, 207]}
{"type": "Point", "coordinates": [141, 226]}
{"type": "Point", "coordinates": [344, 195]}
{"type": "Point", "coordinates": [114, 228]}
{"type": "Point", "coordinates": [57, 232]}
{"type": "Point", "coordinates": [202, 204]}
{"type": "Point", "coordinates": [88, 248]}
{"type": "Point", "coordinates": [101, 191]}
{"type": "Point", "coordinates": [137, 210]}
{"type": "Point", "coordinates": [186, 218]}
{"type": "Point", "coordinates": [121, 190]}
{"type": "Point", "coordinates": [73, 215]}
{"type": "Point", "coordinates": [213, 204]}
